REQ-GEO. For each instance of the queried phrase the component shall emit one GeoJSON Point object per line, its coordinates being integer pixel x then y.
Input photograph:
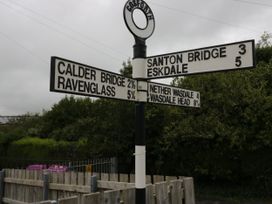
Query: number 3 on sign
{"type": "Point", "coordinates": [242, 51]}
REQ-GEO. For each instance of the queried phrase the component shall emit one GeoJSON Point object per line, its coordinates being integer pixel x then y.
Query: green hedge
{"type": "Point", "coordinates": [35, 148]}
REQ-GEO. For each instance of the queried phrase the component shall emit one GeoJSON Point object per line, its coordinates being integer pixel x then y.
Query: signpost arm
{"type": "Point", "coordinates": [139, 55]}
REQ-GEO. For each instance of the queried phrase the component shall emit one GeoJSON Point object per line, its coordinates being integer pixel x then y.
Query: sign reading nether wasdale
{"type": "Point", "coordinates": [75, 78]}
{"type": "Point", "coordinates": [223, 57]}
{"type": "Point", "coordinates": [170, 95]}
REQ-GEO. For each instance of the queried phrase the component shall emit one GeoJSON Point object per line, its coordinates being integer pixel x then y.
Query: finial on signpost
{"type": "Point", "coordinates": [142, 33]}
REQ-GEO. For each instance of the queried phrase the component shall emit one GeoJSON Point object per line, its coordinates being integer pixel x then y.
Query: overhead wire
{"type": "Point", "coordinates": [24, 47]}
{"type": "Point", "coordinates": [66, 27]}
{"type": "Point", "coordinates": [203, 17]}
{"type": "Point", "coordinates": [254, 3]}
{"type": "Point", "coordinates": [60, 32]}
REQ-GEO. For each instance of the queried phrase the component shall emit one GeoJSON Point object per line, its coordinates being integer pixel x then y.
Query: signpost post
{"type": "Point", "coordinates": [139, 56]}
{"type": "Point", "coordinates": [76, 78]}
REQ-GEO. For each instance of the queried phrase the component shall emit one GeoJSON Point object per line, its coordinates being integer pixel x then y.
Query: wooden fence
{"type": "Point", "coordinates": [22, 186]}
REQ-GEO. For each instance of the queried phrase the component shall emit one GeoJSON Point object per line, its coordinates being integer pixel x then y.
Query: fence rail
{"type": "Point", "coordinates": [103, 165]}
{"type": "Point", "coordinates": [23, 186]}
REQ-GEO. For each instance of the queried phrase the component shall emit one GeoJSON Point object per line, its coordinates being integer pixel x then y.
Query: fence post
{"type": "Point", "coordinates": [93, 183]}
{"type": "Point", "coordinates": [189, 191]}
{"type": "Point", "coordinates": [114, 163]}
{"type": "Point", "coordinates": [2, 185]}
{"type": "Point", "coordinates": [45, 185]}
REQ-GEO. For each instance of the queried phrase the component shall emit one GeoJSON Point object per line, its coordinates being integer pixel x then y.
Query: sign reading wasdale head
{"type": "Point", "coordinates": [75, 78]}
{"type": "Point", "coordinates": [170, 95]}
{"type": "Point", "coordinates": [236, 55]}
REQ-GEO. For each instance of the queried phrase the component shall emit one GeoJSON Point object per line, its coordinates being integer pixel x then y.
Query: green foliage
{"type": "Point", "coordinates": [127, 69]}
{"type": "Point", "coordinates": [265, 40]}
{"type": "Point", "coordinates": [29, 147]}
{"type": "Point", "coordinates": [230, 136]}
{"type": "Point", "coordinates": [35, 148]}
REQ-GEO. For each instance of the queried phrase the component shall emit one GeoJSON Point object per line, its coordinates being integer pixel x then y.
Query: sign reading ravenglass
{"type": "Point", "coordinates": [170, 95]}
{"type": "Point", "coordinates": [75, 78]}
{"type": "Point", "coordinates": [236, 55]}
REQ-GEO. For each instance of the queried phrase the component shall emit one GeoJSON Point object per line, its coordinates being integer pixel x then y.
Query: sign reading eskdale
{"type": "Point", "coordinates": [75, 78]}
{"type": "Point", "coordinates": [224, 57]}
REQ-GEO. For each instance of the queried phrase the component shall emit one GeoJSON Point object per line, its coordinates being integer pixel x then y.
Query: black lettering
{"type": "Point", "coordinates": [76, 74]}
{"type": "Point", "coordinates": [190, 57]}
{"type": "Point", "coordinates": [184, 68]}
{"type": "Point", "coordinates": [243, 49]}
{"type": "Point", "coordinates": [160, 73]}
{"type": "Point", "coordinates": [160, 61]}
{"type": "Point", "coordinates": [131, 6]}
{"type": "Point", "coordinates": [197, 56]}
{"type": "Point", "coordinates": [81, 86]}
{"type": "Point", "coordinates": [93, 88]}
{"type": "Point", "coordinates": [149, 72]}
{"type": "Point", "coordinates": [172, 59]}
{"type": "Point", "coordinates": [149, 62]}
{"type": "Point", "coordinates": [69, 70]}
{"type": "Point", "coordinates": [109, 91]}
{"type": "Point", "coordinates": [166, 60]}
{"type": "Point", "coordinates": [59, 67]}
{"type": "Point", "coordinates": [61, 81]}
{"type": "Point", "coordinates": [68, 84]}
{"type": "Point", "coordinates": [155, 62]}
{"type": "Point", "coordinates": [179, 58]}
{"type": "Point", "coordinates": [173, 70]}
{"type": "Point", "coordinates": [93, 75]}
{"type": "Point", "coordinates": [223, 52]}
{"type": "Point", "coordinates": [150, 17]}
{"type": "Point", "coordinates": [155, 71]}
{"type": "Point", "coordinates": [112, 79]}
{"type": "Point", "coordinates": [103, 90]}
{"type": "Point", "coordinates": [215, 53]}
{"type": "Point", "coordinates": [238, 61]}
{"type": "Point", "coordinates": [81, 72]}
{"type": "Point", "coordinates": [207, 54]}
{"type": "Point", "coordinates": [183, 101]}
{"type": "Point", "coordinates": [166, 71]}
{"type": "Point", "coordinates": [74, 84]}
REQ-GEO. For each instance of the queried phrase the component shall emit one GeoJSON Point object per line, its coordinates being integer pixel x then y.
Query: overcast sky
{"type": "Point", "coordinates": [93, 32]}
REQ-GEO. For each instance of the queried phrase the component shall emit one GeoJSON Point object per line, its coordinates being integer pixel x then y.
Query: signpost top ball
{"type": "Point", "coordinates": [129, 8]}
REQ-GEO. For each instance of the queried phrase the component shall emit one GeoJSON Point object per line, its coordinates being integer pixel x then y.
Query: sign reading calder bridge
{"type": "Point", "coordinates": [75, 78]}
{"type": "Point", "coordinates": [232, 56]}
